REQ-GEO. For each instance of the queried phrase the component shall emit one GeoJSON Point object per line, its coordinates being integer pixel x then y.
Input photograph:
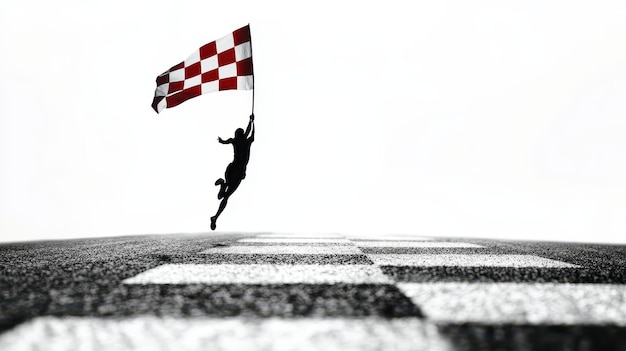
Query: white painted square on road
{"type": "Point", "coordinates": [414, 244]}
{"type": "Point", "coordinates": [295, 240]}
{"type": "Point", "coordinates": [301, 235]}
{"type": "Point", "coordinates": [154, 333]}
{"type": "Point", "coordinates": [468, 260]}
{"type": "Point", "coordinates": [520, 303]}
{"type": "Point", "coordinates": [286, 249]}
{"type": "Point", "coordinates": [260, 274]}
{"type": "Point", "coordinates": [390, 238]}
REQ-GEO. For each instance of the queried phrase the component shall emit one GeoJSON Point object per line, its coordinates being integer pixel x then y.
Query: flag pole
{"type": "Point", "coordinates": [253, 85]}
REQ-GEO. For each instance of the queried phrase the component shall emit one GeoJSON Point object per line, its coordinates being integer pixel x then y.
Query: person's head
{"type": "Point", "coordinates": [239, 133]}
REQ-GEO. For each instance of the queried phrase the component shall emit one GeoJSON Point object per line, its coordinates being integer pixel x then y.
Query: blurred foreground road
{"type": "Point", "coordinates": [310, 292]}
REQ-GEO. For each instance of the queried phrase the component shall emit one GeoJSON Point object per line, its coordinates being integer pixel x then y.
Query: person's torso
{"type": "Point", "coordinates": [242, 149]}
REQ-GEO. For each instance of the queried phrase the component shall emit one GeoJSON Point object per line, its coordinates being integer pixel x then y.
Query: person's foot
{"type": "Point", "coordinates": [213, 223]}
{"type": "Point", "coordinates": [219, 181]}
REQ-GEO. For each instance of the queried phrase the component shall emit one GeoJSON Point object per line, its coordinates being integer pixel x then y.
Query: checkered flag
{"type": "Point", "coordinates": [223, 64]}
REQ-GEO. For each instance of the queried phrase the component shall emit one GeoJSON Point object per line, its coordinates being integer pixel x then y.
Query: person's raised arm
{"type": "Point", "coordinates": [250, 125]}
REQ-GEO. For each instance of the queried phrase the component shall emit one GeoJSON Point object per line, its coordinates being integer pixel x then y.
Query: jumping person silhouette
{"type": "Point", "coordinates": [236, 171]}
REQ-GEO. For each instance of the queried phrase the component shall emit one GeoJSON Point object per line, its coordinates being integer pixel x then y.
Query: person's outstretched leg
{"type": "Point", "coordinates": [219, 212]}
{"type": "Point", "coordinates": [233, 184]}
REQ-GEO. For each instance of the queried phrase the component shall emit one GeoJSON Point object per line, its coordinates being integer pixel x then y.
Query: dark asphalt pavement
{"type": "Point", "coordinates": [351, 293]}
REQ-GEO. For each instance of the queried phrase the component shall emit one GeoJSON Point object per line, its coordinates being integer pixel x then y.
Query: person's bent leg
{"type": "Point", "coordinates": [222, 191]}
{"type": "Point", "coordinates": [224, 182]}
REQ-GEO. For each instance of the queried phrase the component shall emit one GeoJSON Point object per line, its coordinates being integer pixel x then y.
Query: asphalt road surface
{"type": "Point", "coordinates": [311, 292]}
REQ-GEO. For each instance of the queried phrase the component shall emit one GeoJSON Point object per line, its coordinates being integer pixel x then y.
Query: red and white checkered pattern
{"type": "Point", "coordinates": [223, 64]}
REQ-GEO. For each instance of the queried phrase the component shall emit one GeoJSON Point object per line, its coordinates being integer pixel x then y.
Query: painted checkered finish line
{"type": "Point", "coordinates": [311, 292]}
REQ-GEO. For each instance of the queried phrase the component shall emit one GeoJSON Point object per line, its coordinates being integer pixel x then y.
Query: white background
{"type": "Point", "coordinates": [501, 119]}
